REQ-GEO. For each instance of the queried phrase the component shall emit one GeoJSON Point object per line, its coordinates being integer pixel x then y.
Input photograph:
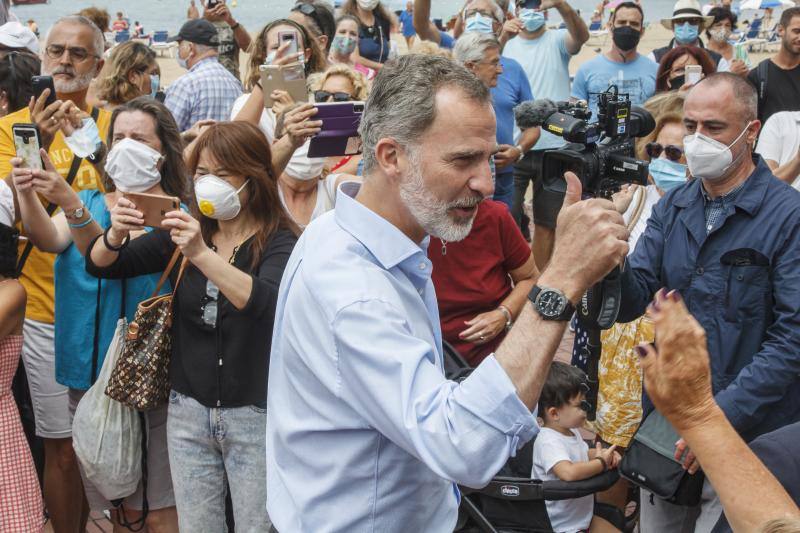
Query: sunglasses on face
{"type": "Point", "coordinates": [673, 153]}
{"type": "Point", "coordinates": [325, 96]}
{"type": "Point", "coordinates": [55, 51]}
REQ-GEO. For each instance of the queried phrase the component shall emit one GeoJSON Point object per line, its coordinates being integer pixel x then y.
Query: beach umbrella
{"type": "Point", "coordinates": [764, 4]}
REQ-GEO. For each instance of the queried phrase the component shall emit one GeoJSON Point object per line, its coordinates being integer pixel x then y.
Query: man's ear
{"type": "Point", "coordinates": [390, 157]}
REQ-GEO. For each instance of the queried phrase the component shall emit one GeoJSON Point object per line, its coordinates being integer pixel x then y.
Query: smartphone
{"type": "Point", "coordinates": [290, 78]}
{"type": "Point", "coordinates": [694, 74]}
{"type": "Point", "coordinates": [339, 135]}
{"type": "Point", "coordinates": [40, 83]}
{"type": "Point", "coordinates": [211, 4]}
{"type": "Point", "coordinates": [153, 206]}
{"type": "Point", "coordinates": [27, 143]}
{"type": "Point", "coordinates": [291, 38]}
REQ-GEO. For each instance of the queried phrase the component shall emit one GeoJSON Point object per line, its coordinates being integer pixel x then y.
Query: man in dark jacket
{"type": "Point", "coordinates": [729, 242]}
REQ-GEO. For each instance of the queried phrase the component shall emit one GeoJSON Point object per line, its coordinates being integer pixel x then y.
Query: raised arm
{"type": "Point", "coordinates": [677, 377]}
{"type": "Point", "coordinates": [426, 30]}
{"type": "Point", "coordinates": [577, 32]}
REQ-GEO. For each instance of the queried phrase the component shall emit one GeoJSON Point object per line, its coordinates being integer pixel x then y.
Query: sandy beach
{"type": "Point", "coordinates": [655, 36]}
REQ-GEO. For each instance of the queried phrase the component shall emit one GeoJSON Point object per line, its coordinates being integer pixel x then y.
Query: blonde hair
{"type": "Point", "coordinates": [666, 108]}
{"type": "Point", "coordinates": [317, 81]}
{"type": "Point", "coordinates": [429, 48]}
{"type": "Point", "coordinates": [113, 85]}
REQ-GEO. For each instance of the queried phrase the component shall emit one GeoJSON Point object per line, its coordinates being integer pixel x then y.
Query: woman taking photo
{"type": "Point", "coordinates": [374, 31]}
{"type": "Point", "coordinates": [671, 74]}
{"type": "Point", "coordinates": [235, 243]}
{"type": "Point", "coordinates": [719, 34]}
{"type": "Point", "coordinates": [144, 156]}
{"type": "Point", "coordinates": [130, 71]}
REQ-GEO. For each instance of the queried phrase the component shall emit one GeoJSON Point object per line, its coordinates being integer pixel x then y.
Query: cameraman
{"type": "Point", "coordinates": [729, 242]}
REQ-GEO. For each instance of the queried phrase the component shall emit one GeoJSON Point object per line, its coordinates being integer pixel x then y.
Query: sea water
{"type": "Point", "coordinates": [168, 15]}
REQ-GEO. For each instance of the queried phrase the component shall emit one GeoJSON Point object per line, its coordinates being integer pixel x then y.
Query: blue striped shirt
{"type": "Point", "coordinates": [207, 91]}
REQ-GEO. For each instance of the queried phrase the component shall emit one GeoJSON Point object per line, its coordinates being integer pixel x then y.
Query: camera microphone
{"type": "Point", "coordinates": [534, 113]}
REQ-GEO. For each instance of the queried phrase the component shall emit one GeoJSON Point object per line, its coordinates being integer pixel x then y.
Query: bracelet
{"type": "Point", "coordinates": [81, 224]}
{"type": "Point", "coordinates": [235, 26]}
{"type": "Point", "coordinates": [603, 462]}
{"type": "Point", "coordinates": [509, 317]}
{"type": "Point", "coordinates": [521, 152]}
{"type": "Point", "coordinates": [115, 248]}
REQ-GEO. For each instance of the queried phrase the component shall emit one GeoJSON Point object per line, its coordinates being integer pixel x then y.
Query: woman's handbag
{"type": "Point", "coordinates": [141, 377]}
{"type": "Point", "coordinates": [649, 463]}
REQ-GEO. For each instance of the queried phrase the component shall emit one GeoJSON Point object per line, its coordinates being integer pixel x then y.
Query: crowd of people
{"type": "Point", "coordinates": [317, 304]}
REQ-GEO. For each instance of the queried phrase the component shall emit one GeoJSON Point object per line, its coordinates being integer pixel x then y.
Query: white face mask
{"type": "Point", "coordinates": [305, 168]}
{"type": "Point", "coordinates": [217, 198]}
{"type": "Point", "coordinates": [368, 5]}
{"type": "Point", "coordinates": [707, 158]}
{"type": "Point", "coordinates": [133, 166]}
{"type": "Point", "coordinates": [85, 141]}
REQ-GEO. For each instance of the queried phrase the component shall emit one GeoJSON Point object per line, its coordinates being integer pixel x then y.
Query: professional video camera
{"type": "Point", "coordinates": [601, 154]}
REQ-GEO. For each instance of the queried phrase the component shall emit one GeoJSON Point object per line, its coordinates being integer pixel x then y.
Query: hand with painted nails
{"type": "Point", "coordinates": [677, 372]}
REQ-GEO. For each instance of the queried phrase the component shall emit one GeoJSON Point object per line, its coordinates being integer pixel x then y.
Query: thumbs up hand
{"type": "Point", "coordinates": [591, 239]}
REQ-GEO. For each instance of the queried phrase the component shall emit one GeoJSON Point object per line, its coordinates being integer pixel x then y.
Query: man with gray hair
{"type": "Point", "coordinates": [729, 242]}
{"type": "Point", "coordinates": [72, 55]}
{"type": "Point", "coordinates": [364, 432]}
{"type": "Point", "coordinates": [208, 90]}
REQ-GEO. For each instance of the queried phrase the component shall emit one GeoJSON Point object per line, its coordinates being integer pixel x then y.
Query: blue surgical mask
{"type": "Point", "coordinates": [155, 84]}
{"type": "Point", "coordinates": [479, 23]}
{"type": "Point", "coordinates": [686, 33]}
{"type": "Point", "coordinates": [533, 20]}
{"type": "Point", "coordinates": [667, 174]}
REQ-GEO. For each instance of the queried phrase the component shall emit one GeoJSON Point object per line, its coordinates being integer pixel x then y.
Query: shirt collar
{"type": "Point", "coordinates": [749, 196]}
{"type": "Point", "coordinates": [202, 62]}
{"type": "Point", "coordinates": [386, 242]}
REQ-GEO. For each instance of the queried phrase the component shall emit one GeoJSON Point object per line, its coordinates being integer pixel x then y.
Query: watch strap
{"type": "Point", "coordinates": [566, 314]}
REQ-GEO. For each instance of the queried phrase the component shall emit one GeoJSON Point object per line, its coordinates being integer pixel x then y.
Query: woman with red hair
{"type": "Point", "coordinates": [672, 68]}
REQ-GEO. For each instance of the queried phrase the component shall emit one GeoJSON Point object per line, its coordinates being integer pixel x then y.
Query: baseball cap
{"type": "Point", "coordinates": [198, 31]}
{"type": "Point", "coordinates": [16, 35]}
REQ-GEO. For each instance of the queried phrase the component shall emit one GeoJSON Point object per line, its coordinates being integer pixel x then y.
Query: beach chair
{"type": "Point", "coordinates": [596, 29]}
{"type": "Point", "coordinates": [122, 36]}
{"type": "Point", "coordinates": [160, 45]}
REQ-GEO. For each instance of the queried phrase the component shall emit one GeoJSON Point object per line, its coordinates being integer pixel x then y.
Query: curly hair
{"type": "Point", "coordinates": [665, 66]}
{"type": "Point", "coordinates": [99, 16]}
{"type": "Point", "coordinates": [113, 84]}
{"type": "Point", "coordinates": [317, 81]}
{"type": "Point", "coordinates": [258, 52]}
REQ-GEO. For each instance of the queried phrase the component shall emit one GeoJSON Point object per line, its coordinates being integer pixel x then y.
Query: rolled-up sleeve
{"type": "Point", "coordinates": [776, 367]}
{"type": "Point", "coordinates": [464, 432]}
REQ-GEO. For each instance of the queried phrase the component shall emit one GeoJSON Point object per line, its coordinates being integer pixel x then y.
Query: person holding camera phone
{"type": "Point", "coordinates": [72, 56]}
{"type": "Point", "coordinates": [145, 156]}
{"type": "Point", "coordinates": [232, 36]}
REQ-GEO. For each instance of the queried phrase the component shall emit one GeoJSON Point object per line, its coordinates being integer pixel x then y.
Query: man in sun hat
{"type": "Point", "coordinates": [16, 36]}
{"type": "Point", "coordinates": [686, 23]}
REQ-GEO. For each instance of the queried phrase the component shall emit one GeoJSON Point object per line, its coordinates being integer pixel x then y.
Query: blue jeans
{"type": "Point", "coordinates": [504, 188]}
{"type": "Point", "coordinates": [210, 448]}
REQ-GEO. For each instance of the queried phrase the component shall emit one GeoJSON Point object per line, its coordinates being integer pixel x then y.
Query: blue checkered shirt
{"type": "Point", "coordinates": [716, 207]}
{"type": "Point", "coordinates": [207, 91]}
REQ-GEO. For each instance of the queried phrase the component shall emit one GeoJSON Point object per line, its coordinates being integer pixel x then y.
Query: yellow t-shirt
{"type": "Point", "coordinates": [37, 274]}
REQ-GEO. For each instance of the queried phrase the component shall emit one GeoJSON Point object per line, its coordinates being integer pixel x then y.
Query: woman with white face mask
{"type": "Point", "coordinates": [235, 244]}
{"type": "Point", "coordinates": [719, 34]}
{"type": "Point", "coordinates": [145, 156]}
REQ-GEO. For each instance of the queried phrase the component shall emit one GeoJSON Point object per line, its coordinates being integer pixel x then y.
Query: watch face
{"type": "Point", "coordinates": [551, 303]}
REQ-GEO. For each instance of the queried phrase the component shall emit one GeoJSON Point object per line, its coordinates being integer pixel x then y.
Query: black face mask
{"type": "Point", "coordinates": [677, 82]}
{"type": "Point", "coordinates": [626, 38]}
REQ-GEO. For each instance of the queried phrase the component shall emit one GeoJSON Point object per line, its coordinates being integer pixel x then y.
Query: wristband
{"type": "Point", "coordinates": [235, 26]}
{"type": "Point", "coordinates": [115, 248]}
{"type": "Point", "coordinates": [603, 462]}
{"type": "Point", "coordinates": [521, 152]}
{"type": "Point", "coordinates": [506, 313]}
{"type": "Point", "coordinates": [81, 224]}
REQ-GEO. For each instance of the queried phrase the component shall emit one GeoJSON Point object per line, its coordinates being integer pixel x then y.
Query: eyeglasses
{"type": "Point", "coordinates": [210, 304]}
{"type": "Point", "coordinates": [654, 149]}
{"type": "Point", "coordinates": [692, 22]}
{"type": "Point", "coordinates": [325, 96]}
{"type": "Point", "coordinates": [55, 51]}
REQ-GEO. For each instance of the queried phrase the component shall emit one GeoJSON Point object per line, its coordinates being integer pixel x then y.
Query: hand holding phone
{"type": "Point", "coordinates": [27, 143]}
{"type": "Point", "coordinates": [39, 84]}
{"type": "Point", "coordinates": [152, 207]}
{"type": "Point", "coordinates": [291, 38]}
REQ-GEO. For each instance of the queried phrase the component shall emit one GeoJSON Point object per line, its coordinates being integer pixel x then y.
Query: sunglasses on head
{"type": "Point", "coordinates": [325, 96]}
{"type": "Point", "coordinates": [654, 149]}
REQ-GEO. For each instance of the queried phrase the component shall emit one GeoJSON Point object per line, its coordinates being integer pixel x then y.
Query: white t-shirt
{"type": "Point", "coordinates": [549, 449]}
{"type": "Point", "coordinates": [6, 204]}
{"type": "Point", "coordinates": [780, 139]}
{"type": "Point", "coordinates": [651, 198]}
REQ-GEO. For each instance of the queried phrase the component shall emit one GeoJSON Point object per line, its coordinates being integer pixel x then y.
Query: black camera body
{"type": "Point", "coordinates": [600, 154]}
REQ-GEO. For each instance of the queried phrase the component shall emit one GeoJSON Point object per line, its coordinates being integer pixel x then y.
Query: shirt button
{"type": "Point", "coordinates": [422, 266]}
{"type": "Point", "coordinates": [700, 271]}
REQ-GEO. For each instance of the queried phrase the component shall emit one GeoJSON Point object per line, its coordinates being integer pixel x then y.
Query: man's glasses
{"type": "Point", "coordinates": [55, 51]}
{"type": "Point", "coordinates": [325, 96]}
{"type": "Point", "coordinates": [210, 306]}
{"type": "Point", "coordinates": [654, 149]}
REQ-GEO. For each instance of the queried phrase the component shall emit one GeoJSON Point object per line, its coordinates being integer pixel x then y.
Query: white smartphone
{"type": "Point", "coordinates": [694, 73]}
{"type": "Point", "coordinates": [291, 38]}
{"type": "Point", "coordinates": [27, 144]}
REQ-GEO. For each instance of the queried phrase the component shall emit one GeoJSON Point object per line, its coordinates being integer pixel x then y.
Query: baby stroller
{"type": "Point", "coordinates": [513, 502]}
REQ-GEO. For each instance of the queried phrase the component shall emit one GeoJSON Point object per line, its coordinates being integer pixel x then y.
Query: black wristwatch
{"type": "Point", "coordinates": [551, 304]}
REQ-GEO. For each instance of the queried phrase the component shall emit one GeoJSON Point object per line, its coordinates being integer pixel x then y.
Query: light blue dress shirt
{"type": "Point", "coordinates": [364, 433]}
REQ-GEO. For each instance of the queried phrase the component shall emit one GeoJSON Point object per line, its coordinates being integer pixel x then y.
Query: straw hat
{"type": "Point", "coordinates": [684, 10]}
